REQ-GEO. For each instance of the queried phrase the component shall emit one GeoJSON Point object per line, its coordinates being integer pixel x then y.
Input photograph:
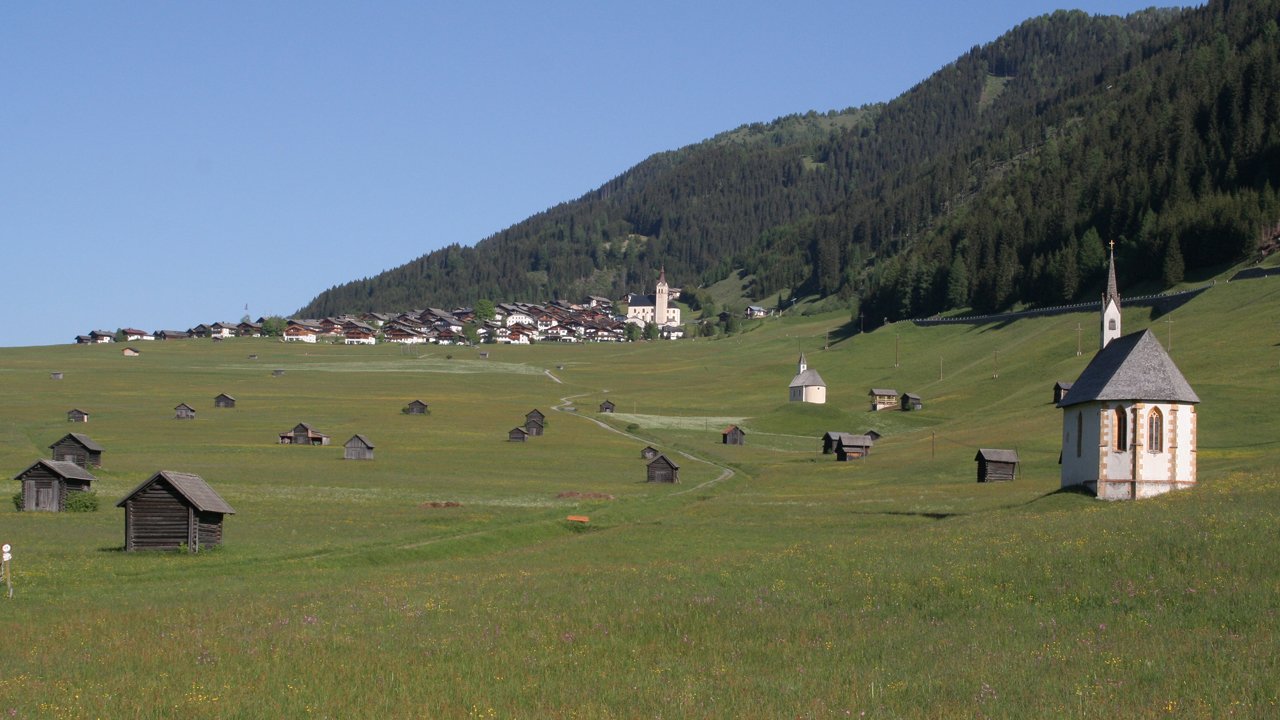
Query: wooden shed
{"type": "Point", "coordinates": [873, 435]}
{"type": "Point", "coordinates": [996, 465]}
{"type": "Point", "coordinates": [46, 483]}
{"type": "Point", "coordinates": [536, 414]}
{"type": "Point", "coordinates": [853, 447]}
{"type": "Point", "coordinates": [649, 452]}
{"type": "Point", "coordinates": [172, 510]}
{"type": "Point", "coordinates": [184, 411]}
{"type": "Point", "coordinates": [829, 441]}
{"type": "Point", "coordinates": [911, 401]}
{"type": "Point", "coordinates": [130, 352]}
{"type": "Point", "coordinates": [277, 372]}
{"type": "Point", "coordinates": [533, 426]}
{"type": "Point", "coordinates": [55, 375]}
{"type": "Point", "coordinates": [77, 448]}
{"type": "Point", "coordinates": [517, 434]}
{"type": "Point", "coordinates": [607, 406]}
{"type": "Point", "coordinates": [883, 398]}
{"type": "Point", "coordinates": [662, 469]}
{"type": "Point", "coordinates": [358, 448]}
{"type": "Point", "coordinates": [77, 415]}
{"type": "Point", "coordinates": [224, 400]}
{"type": "Point", "coordinates": [1060, 390]}
{"type": "Point", "coordinates": [733, 435]}
{"type": "Point", "coordinates": [417, 407]}
{"type": "Point", "coordinates": [303, 434]}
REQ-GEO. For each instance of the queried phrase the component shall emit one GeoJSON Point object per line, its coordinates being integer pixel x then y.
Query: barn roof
{"type": "Point", "coordinates": [849, 440]}
{"type": "Point", "coordinates": [61, 468]}
{"type": "Point", "coordinates": [666, 460]}
{"type": "Point", "coordinates": [883, 391]}
{"type": "Point", "coordinates": [358, 438]}
{"type": "Point", "coordinates": [179, 406]}
{"type": "Point", "coordinates": [1133, 367]}
{"type": "Point", "coordinates": [82, 439]}
{"type": "Point", "coordinates": [731, 428]}
{"type": "Point", "coordinates": [911, 396]}
{"type": "Point", "coordinates": [223, 395]}
{"type": "Point", "coordinates": [993, 455]}
{"type": "Point", "coordinates": [191, 487]}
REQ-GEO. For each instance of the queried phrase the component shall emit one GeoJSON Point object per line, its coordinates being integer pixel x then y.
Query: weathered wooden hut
{"type": "Point", "coordinates": [662, 469]}
{"type": "Point", "coordinates": [358, 448]}
{"type": "Point", "coordinates": [536, 414]}
{"type": "Point", "coordinates": [873, 435]}
{"type": "Point", "coordinates": [607, 406]}
{"type": "Point", "coordinates": [277, 372]}
{"type": "Point", "coordinates": [852, 447]}
{"type": "Point", "coordinates": [173, 510]}
{"type": "Point", "coordinates": [55, 375]}
{"type": "Point", "coordinates": [77, 415]}
{"type": "Point", "coordinates": [829, 441]}
{"type": "Point", "coordinates": [733, 435]}
{"type": "Point", "coordinates": [517, 434]}
{"type": "Point", "coordinates": [417, 407]}
{"type": "Point", "coordinates": [533, 426]}
{"type": "Point", "coordinates": [911, 401]}
{"type": "Point", "coordinates": [183, 411]}
{"type": "Point", "coordinates": [223, 400]}
{"type": "Point", "coordinates": [1060, 390]}
{"type": "Point", "coordinates": [649, 452]}
{"type": "Point", "coordinates": [883, 398]}
{"type": "Point", "coordinates": [77, 448]}
{"type": "Point", "coordinates": [996, 465]}
{"type": "Point", "coordinates": [130, 352]}
{"type": "Point", "coordinates": [303, 434]}
{"type": "Point", "coordinates": [46, 484]}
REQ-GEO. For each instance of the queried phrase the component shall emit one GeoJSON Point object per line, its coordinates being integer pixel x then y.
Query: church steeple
{"type": "Point", "coordinates": [1110, 303]}
{"type": "Point", "coordinates": [803, 365]}
{"type": "Point", "coordinates": [661, 296]}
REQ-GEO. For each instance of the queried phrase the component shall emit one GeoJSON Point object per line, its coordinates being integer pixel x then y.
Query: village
{"type": "Point", "coordinates": [513, 323]}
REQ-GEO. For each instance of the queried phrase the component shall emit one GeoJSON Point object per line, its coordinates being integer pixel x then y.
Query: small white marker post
{"type": "Point", "coordinates": [5, 571]}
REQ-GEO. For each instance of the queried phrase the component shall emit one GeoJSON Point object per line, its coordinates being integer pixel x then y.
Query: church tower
{"type": "Point", "coordinates": [1110, 303]}
{"type": "Point", "coordinates": [660, 299]}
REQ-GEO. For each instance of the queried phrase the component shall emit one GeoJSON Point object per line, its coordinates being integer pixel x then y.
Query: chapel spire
{"type": "Point", "coordinates": [1110, 302]}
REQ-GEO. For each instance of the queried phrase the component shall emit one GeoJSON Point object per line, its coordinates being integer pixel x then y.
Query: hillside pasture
{"type": "Point", "coordinates": [772, 581]}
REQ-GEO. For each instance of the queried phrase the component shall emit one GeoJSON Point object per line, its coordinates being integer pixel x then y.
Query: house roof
{"type": "Point", "coordinates": [61, 468]}
{"type": "Point", "coordinates": [192, 487]}
{"type": "Point", "coordinates": [994, 455]}
{"type": "Point", "coordinates": [81, 438]}
{"type": "Point", "coordinates": [1133, 367]}
{"type": "Point", "coordinates": [808, 378]}
{"type": "Point", "coordinates": [883, 391]}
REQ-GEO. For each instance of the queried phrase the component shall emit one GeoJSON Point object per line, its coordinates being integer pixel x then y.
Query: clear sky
{"type": "Point", "coordinates": [164, 164]}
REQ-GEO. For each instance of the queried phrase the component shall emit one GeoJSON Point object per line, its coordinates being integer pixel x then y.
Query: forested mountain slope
{"type": "Point", "coordinates": [994, 181]}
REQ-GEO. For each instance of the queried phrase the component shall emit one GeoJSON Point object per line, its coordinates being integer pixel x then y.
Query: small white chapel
{"type": "Point", "coordinates": [1129, 421]}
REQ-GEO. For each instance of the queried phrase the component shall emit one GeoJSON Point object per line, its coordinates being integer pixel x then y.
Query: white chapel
{"type": "Point", "coordinates": [1129, 422]}
{"type": "Point", "coordinates": [807, 385]}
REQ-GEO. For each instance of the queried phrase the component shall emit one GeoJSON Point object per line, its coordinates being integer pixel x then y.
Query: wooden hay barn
{"type": "Point", "coordinates": [184, 411]}
{"type": "Point", "coordinates": [733, 435]}
{"type": "Point", "coordinates": [130, 352]}
{"type": "Point", "coordinates": [883, 398]}
{"type": "Point", "coordinates": [607, 406]}
{"type": "Point", "coordinates": [358, 448]}
{"type": "Point", "coordinates": [533, 426]}
{"type": "Point", "coordinates": [911, 401]}
{"type": "Point", "coordinates": [852, 447]}
{"type": "Point", "coordinates": [224, 400]}
{"type": "Point", "coordinates": [830, 440]}
{"type": "Point", "coordinates": [994, 465]}
{"type": "Point", "coordinates": [55, 375]}
{"type": "Point", "coordinates": [649, 452]}
{"type": "Point", "coordinates": [1060, 390]}
{"type": "Point", "coordinates": [46, 484]}
{"type": "Point", "coordinates": [77, 415]}
{"type": "Point", "coordinates": [873, 435]}
{"type": "Point", "coordinates": [517, 434]}
{"type": "Point", "coordinates": [303, 434]}
{"type": "Point", "coordinates": [172, 510]}
{"type": "Point", "coordinates": [662, 469]}
{"type": "Point", "coordinates": [417, 407]}
{"type": "Point", "coordinates": [277, 373]}
{"type": "Point", "coordinates": [536, 414]}
{"type": "Point", "coordinates": [77, 448]}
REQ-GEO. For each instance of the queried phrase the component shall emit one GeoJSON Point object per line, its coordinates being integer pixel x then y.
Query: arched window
{"type": "Point", "coordinates": [1121, 434]}
{"type": "Point", "coordinates": [1079, 432]}
{"type": "Point", "coordinates": [1155, 431]}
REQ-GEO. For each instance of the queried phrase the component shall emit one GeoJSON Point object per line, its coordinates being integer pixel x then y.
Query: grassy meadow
{"type": "Point", "coordinates": [770, 582]}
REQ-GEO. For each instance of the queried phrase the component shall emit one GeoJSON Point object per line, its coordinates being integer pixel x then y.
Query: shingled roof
{"type": "Point", "coordinates": [808, 378]}
{"type": "Point", "coordinates": [1133, 367]}
{"type": "Point", "coordinates": [192, 487]}
{"type": "Point", "coordinates": [84, 441]}
{"type": "Point", "coordinates": [61, 468]}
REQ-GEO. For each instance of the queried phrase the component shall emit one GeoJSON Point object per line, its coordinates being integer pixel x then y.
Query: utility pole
{"type": "Point", "coordinates": [1170, 321]}
{"type": "Point", "coordinates": [1079, 352]}
{"type": "Point", "coordinates": [933, 445]}
{"type": "Point", "coordinates": [895, 350]}
{"type": "Point", "coordinates": [939, 367]}
{"type": "Point", "coordinates": [995, 364]}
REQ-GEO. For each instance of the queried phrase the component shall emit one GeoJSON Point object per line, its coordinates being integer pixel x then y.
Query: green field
{"type": "Point", "coordinates": [771, 582]}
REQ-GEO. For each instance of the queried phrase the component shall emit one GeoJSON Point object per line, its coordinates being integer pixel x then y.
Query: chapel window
{"type": "Point", "coordinates": [1155, 431]}
{"type": "Point", "coordinates": [1121, 435]}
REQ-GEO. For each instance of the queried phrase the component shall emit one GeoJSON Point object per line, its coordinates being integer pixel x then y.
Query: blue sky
{"type": "Point", "coordinates": [166, 164]}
